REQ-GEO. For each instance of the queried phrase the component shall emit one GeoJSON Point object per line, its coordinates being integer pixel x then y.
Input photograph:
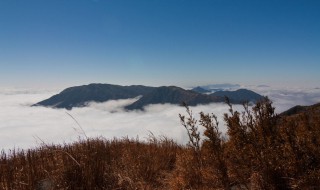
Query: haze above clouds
{"type": "Point", "coordinates": [22, 126]}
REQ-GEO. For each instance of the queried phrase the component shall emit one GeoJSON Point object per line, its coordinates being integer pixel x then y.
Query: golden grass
{"type": "Point", "coordinates": [90, 164]}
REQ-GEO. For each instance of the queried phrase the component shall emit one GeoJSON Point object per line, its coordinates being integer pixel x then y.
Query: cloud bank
{"type": "Point", "coordinates": [287, 97]}
{"type": "Point", "coordinates": [22, 126]}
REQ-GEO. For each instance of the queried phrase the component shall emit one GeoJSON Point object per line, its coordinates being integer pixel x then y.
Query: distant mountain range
{"type": "Point", "coordinates": [79, 96]}
{"type": "Point", "coordinates": [200, 90]}
{"type": "Point", "coordinates": [217, 87]}
{"type": "Point", "coordinates": [173, 95]}
{"type": "Point", "coordinates": [238, 96]}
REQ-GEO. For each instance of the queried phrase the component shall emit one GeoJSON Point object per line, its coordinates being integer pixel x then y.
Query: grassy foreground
{"type": "Point", "coordinates": [262, 151]}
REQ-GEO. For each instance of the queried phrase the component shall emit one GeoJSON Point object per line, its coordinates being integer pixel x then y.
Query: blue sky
{"type": "Point", "coordinates": [159, 42]}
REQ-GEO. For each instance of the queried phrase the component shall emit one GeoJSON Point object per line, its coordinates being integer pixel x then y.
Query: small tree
{"type": "Point", "coordinates": [214, 146]}
{"type": "Point", "coordinates": [209, 157]}
{"type": "Point", "coordinates": [255, 144]}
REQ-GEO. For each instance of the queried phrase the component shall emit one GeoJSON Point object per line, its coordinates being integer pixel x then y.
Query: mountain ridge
{"type": "Point", "coordinates": [298, 109]}
{"type": "Point", "coordinates": [238, 96]}
{"type": "Point", "coordinates": [173, 95]}
{"type": "Point", "coordinates": [78, 96]}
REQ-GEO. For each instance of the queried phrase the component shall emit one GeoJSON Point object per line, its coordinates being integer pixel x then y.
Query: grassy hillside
{"type": "Point", "coordinates": [262, 151]}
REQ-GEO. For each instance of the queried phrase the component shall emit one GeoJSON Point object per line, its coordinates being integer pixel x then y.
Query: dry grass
{"type": "Point", "coordinates": [262, 151]}
{"type": "Point", "coordinates": [90, 164]}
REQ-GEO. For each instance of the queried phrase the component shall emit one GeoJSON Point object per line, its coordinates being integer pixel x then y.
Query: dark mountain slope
{"type": "Point", "coordinates": [79, 95]}
{"type": "Point", "coordinates": [239, 96]}
{"type": "Point", "coordinates": [173, 95]}
{"type": "Point", "coordinates": [301, 109]}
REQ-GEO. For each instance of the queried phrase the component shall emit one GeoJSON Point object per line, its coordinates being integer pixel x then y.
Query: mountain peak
{"type": "Point", "coordinates": [78, 96]}
{"type": "Point", "coordinates": [239, 96]}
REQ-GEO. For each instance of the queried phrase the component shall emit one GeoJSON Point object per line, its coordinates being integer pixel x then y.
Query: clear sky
{"type": "Point", "coordinates": [159, 42]}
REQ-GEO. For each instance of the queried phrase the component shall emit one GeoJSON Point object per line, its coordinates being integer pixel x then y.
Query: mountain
{"type": "Point", "coordinates": [200, 90]}
{"type": "Point", "coordinates": [301, 109]}
{"type": "Point", "coordinates": [78, 96]}
{"type": "Point", "coordinates": [239, 96]}
{"type": "Point", "coordinates": [173, 95]}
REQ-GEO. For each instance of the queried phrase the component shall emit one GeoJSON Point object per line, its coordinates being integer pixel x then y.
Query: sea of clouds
{"type": "Point", "coordinates": [23, 126]}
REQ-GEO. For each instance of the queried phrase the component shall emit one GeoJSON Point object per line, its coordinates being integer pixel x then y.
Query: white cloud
{"type": "Point", "coordinates": [22, 125]}
{"type": "Point", "coordinates": [285, 98]}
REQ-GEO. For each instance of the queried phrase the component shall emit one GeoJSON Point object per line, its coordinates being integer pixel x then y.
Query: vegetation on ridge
{"type": "Point", "coordinates": [262, 151]}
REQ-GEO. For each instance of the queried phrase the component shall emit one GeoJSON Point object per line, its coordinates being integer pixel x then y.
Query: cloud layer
{"type": "Point", "coordinates": [287, 97]}
{"type": "Point", "coordinates": [22, 126]}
